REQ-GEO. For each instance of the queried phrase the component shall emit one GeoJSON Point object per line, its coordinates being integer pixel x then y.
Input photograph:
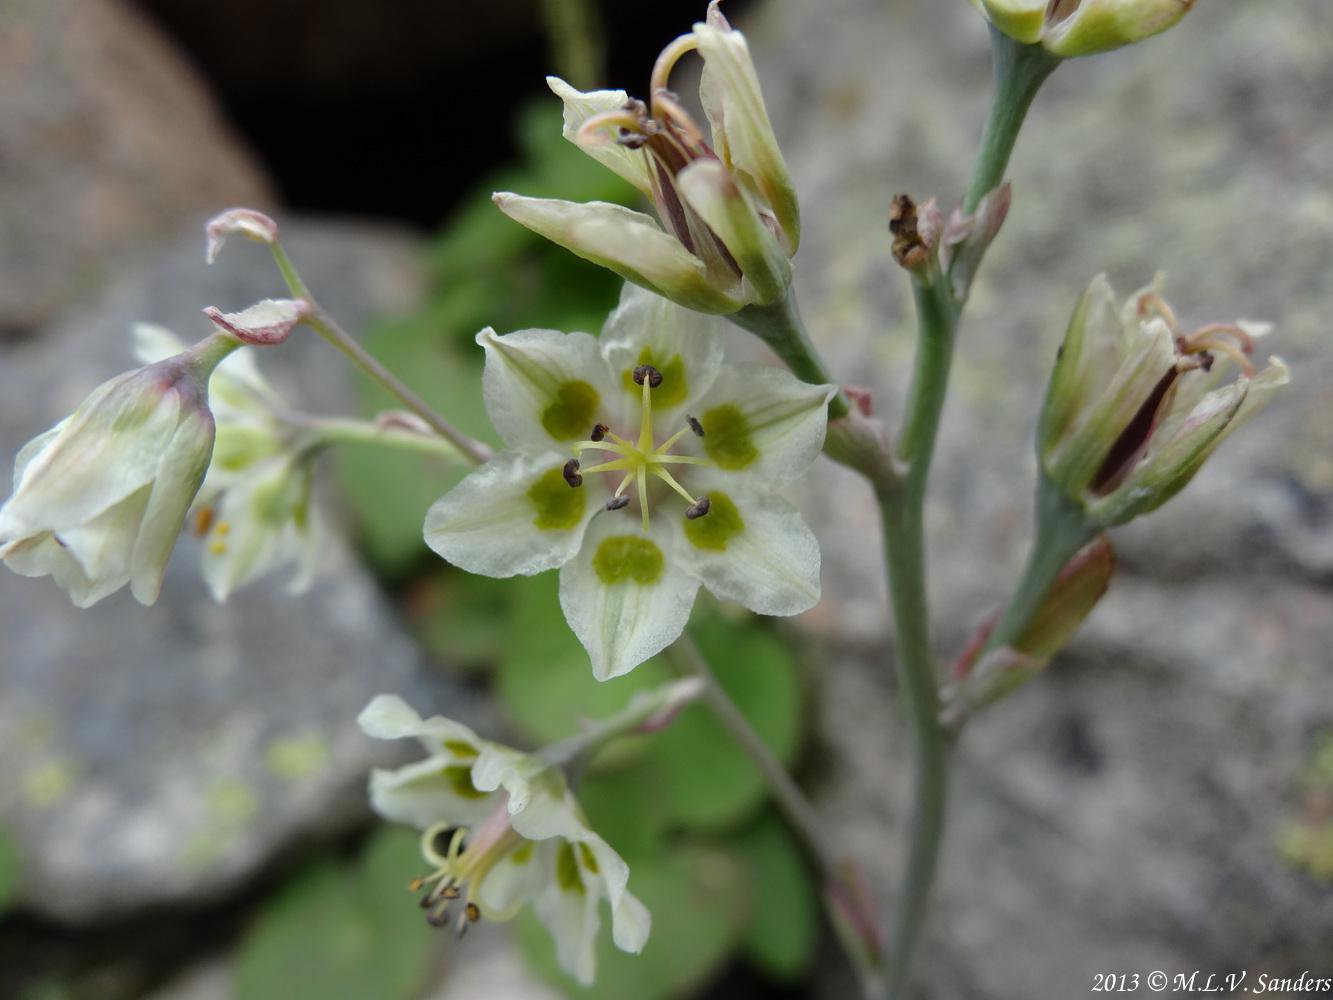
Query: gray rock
{"type": "Point", "coordinates": [1121, 814]}
{"type": "Point", "coordinates": [163, 755]}
{"type": "Point", "coordinates": [107, 141]}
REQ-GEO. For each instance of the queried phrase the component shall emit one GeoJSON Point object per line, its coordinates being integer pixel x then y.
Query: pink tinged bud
{"type": "Point", "coordinates": [255, 226]}
{"type": "Point", "coordinates": [265, 323]}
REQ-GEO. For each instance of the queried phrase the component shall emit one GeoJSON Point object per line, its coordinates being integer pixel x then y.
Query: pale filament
{"type": "Point", "coordinates": [666, 62]}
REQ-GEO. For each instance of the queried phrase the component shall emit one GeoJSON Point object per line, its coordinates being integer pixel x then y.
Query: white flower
{"type": "Point", "coordinates": [689, 453]}
{"type": "Point", "coordinates": [1136, 403]}
{"type": "Point", "coordinates": [1068, 28]}
{"type": "Point", "coordinates": [729, 209]}
{"type": "Point", "coordinates": [99, 499]}
{"type": "Point", "coordinates": [502, 830]}
{"type": "Point", "coordinates": [255, 506]}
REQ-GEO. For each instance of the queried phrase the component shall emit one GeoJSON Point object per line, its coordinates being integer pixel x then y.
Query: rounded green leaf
{"type": "Point", "coordinates": [784, 930]}
{"type": "Point", "coordinates": [9, 871]}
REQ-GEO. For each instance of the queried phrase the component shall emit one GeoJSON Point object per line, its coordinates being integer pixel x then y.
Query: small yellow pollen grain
{"type": "Point", "coordinates": [218, 549]}
{"type": "Point", "coordinates": [223, 527]}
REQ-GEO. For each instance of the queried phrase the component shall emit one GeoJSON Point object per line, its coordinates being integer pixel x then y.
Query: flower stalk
{"type": "Point", "coordinates": [327, 327]}
{"type": "Point", "coordinates": [852, 919]}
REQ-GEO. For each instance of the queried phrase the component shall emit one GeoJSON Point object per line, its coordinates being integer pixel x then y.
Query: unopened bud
{"type": "Point", "coordinates": [265, 323]}
{"type": "Point", "coordinates": [255, 226]}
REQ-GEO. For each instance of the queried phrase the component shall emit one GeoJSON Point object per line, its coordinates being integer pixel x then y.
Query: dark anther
{"type": "Point", "coordinates": [650, 373]}
{"type": "Point", "coordinates": [438, 918]}
{"type": "Point", "coordinates": [616, 503]}
{"type": "Point", "coordinates": [473, 913]}
{"type": "Point", "coordinates": [598, 432]}
{"type": "Point", "coordinates": [695, 426]}
{"type": "Point", "coordinates": [1206, 361]}
{"type": "Point", "coordinates": [698, 509]}
{"type": "Point", "coordinates": [571, 473]}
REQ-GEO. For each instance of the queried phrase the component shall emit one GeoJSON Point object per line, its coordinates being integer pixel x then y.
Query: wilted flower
{"type": "Point", "coordinates": [733, 435]}
{"type": "Point", "coordinates": [99, 499]}
{"type": "Point", "coordinates": [502, 829]}
{"type": "Point", "coordinates": [1136, 403]}
{"type": "Point", "coordinates": [729, 208]}
{"type": "Point", "coordinates": [1068, 28]}
{"type": "Point", "coordinates": [255, 507]}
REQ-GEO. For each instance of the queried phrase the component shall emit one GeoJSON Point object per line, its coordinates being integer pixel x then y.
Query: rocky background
{"type": "Point", "coordinates": [1159, 800]}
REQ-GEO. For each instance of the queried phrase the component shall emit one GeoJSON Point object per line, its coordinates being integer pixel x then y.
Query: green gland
{"type": "Point", "coordinates": [557, 506]}
{"type": "Point", "coordinates": [459, 779]}
{"type": "Point", "coordinates": [727, 438]}
{"type": "Point", "coordinates": [572, 411]}
{"type": "Point", "coordinates": [567, 870]}
{"type": "Point", "coordinates": [627, 558]}
{"type": "Point", "coordinates": [674, 388]}
{"type": "Point", "coordinates": [722, 523]}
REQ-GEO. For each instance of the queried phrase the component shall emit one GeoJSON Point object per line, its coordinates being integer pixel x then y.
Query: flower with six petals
{"type": "Point", "coordinates": [501, 830]}
{"type": "Point", "coordinates": [641, 466]}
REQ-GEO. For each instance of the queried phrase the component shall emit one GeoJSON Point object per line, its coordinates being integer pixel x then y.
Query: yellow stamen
{"type": "Point", "coordinates": [646, 418]}
{"type": "Point", "coordinates": [642, 473]}
{"type": "Point", "coordinates": [620, 449]}
{"type": "Point", "coordinates": [667, 478]}
{"type": "Point", "coordinates": [594, 130]}
{"type": "Point", "coordinates": [629, 478]}
{"type": "Point", "coordinates": [614, 466]}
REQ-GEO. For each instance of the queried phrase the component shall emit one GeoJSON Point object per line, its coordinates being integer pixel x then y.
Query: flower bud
{"type": "Point", "coordinates": [1069, 28]}
{"type": "Point", "coordinates": [254, 226]}
{"type": "Point", "coordinates": [99, 499]}
{"type": "Point", "coordinates": [264, 324]}
{"type": "Point", "coordinates": [1136, 403]}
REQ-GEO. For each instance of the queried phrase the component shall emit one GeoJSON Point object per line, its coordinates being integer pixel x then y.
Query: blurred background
{"type": "Point", "coordinates": [182, 804]}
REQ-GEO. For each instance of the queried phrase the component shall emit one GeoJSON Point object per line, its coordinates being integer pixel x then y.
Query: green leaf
{"type": "Point", "coordinates": [625, 809]}
{"type": "Point", "coordinates": [461, 618]}
{"type": "Point", "coordinates": [698, 899]}
{"type": "Point", "coordinates": [340, 932]}
{"type": "Point", "coordinates": [545, 681]}
{"type": "Point", "coordinates": [784, 931]}
{"type": "Point", "coordinates": [706, 780]}
{"type": "Point", "coordinates": [9, 871]}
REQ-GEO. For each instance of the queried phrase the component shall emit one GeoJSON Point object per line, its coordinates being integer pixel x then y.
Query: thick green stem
{"type": "Point", "coordinates": [903, 512]}
{"type": "Point", "coordinates": [1020, 71]}
{"type": "Point", "coordinates": [780, 327]}
{"type": "Point", "coordinates": [325, 325]}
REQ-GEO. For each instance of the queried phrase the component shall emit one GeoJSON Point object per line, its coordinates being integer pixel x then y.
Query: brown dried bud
{"type": "Point", "coordinates": [910, 249]}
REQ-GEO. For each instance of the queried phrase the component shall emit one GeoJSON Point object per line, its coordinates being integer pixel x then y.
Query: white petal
{"type": "Point", "coordinates": [569, 912]}
{"type": "Point", "coordinates": [514, 880]}
{"type": "Point", "coordinates": [110, 447]}
{"type": "Point", "coordinates": [42, 555]}
{"type": "Point", "coordinates": [500, 766]}
{"type": "Point", "coordinates": [742, 131]}
{"type": "Point", "coordinates": [427, 792]}
{"type": "Point", "coordinates": [388, 717]}
{"type": "Point", "coordinates": [630, 243]}
{"type": "Point", "coordinates": [623, 597]}
{"type": "Point", "coordinates": [550, 810]}
{"type": "Point", "coordinates": [542, 387]}
{"type": "Point", "coordinates": [764, 423]}
{"type": "Point", "coordinates": [752, 547]}
{"type": "Point", "coordinates": [648, 328]}
{"type": "Point", "coordinates": [631, 164]}
{"type": "Point", "coordinates": [179, 477]}
{"type": "Point", "coordinates": [104, 546]}
{"type": "Point", "coordinates": [630, 919]}
{"type": "Point", "coordinates": [516, 515]}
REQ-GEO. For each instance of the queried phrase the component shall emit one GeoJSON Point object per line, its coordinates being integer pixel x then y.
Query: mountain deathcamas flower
{"type": "Point", "coordinates": [642, 466]}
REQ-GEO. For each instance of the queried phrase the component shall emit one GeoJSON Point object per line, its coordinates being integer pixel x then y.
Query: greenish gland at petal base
{"type": "Point", "coordinates": [674, 388]}
{"type": "Point", "coordinates": [558, 507]}
{"type": "Point", "coordinates": [572, 411]}
{"type": "Point", "coordinates": [727, 437]}
{"type": "Point", "coordinates": [460, 748]}
{"type": "Point", "coordinates": [721, 524]}
{"type": "Point", "coordinates": [624, 558]}
{"type": "Point", "coordinates": [589, 859]}
{"type": "Point", "coordinates": [523, 853]}
{"type": "Point", "coordinates": [459, 779]}
{"type": "Point", "coordinates": [567, 870]}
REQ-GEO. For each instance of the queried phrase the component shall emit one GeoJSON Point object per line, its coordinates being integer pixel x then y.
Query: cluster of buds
{"type": "Point", "coordinates": [728, 212]}
{"type": "Point", "coordinates": [1069, 28]}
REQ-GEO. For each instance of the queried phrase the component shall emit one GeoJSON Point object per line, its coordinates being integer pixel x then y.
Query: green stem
{"type": "Point", "coordinates": [660, 703]}
{"type": "Point", "coordinates": [780, 327]}
{"type": "Point", "coordinates": [903, 512]}
{"type": "Point", "coordinates": [1061, 530]}
{"type": "Point", "coordinates": [338, 430]}
{"type": "Point", "coordinates": [1020, 70]}
{"type": "Point", "coordinates": [852, 919]}
{"type": "Point", "coordinates": [324, 324]}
